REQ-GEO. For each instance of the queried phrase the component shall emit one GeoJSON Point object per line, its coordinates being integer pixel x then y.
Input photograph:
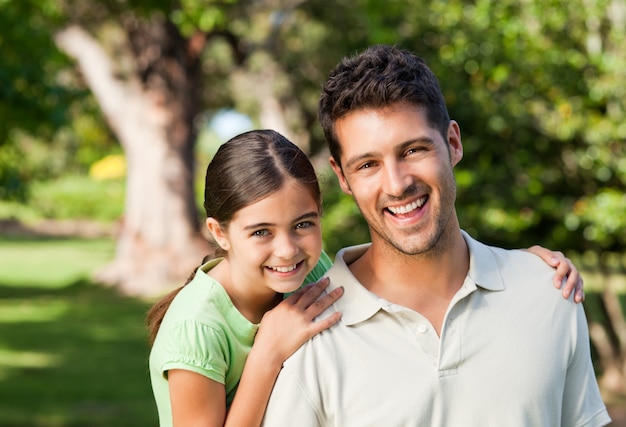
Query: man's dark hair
{"type": "Point", "coordinates": [378, 77]}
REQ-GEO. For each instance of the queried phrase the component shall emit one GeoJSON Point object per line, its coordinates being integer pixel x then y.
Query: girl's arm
{"type": "Point", "coordinates": [282, 331]}
{"type": "Point", "coordinates": [197, 401]}
{"type": "Point", "coordinates": [564, 269]}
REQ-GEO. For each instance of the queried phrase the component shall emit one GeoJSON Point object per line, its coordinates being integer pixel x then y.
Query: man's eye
{"type": "Point", "coordinates": [414, 150]}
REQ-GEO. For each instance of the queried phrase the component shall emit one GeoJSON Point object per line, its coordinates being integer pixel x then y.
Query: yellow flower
{"type": "Point", "coordinates": [109, 167]}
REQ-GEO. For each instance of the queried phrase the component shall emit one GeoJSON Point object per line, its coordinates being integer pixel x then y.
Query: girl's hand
{"type": "Point", "coordinates": [564, 269]}
{"type": "Point", "coordinates": [282, 331]}
{"type": "Point", "coordinates": [291, 323]}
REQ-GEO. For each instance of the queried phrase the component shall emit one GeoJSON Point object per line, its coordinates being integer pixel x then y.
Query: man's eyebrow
{"type": "Point", "coordinates": [312, 214]}
{"type": "Point", "coordinates": [426, 140]}
{"type": "Point", "coordinates": [358, 158]}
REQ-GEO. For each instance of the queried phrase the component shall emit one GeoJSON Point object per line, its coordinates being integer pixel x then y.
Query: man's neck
{"type": "Point", "coordinates": [424, 283]}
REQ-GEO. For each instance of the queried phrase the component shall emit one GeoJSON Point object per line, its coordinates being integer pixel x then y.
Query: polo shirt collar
{"type": "Point", "coordinates": [358, 304]}
{"type": "Point", "coordinates": [484, 270]}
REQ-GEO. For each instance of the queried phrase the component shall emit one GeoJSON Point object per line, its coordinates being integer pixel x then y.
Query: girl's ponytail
{"type": "Point", "coordinates": [155, 314]}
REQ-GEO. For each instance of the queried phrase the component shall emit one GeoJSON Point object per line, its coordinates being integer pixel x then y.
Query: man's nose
{"type": "Point", "coordinates": [396, 179]}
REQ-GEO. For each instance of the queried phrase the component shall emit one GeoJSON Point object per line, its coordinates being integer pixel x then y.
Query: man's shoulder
{"type": "Point", "coordinates": [487, 257]}
{"type": "Point", "coordinates": [517, 271]}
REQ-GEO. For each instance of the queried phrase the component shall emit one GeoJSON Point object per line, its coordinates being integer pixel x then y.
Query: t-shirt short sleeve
{"type": "Point", "coordinates": [196, 347]}
{"type": "Point", "coordinates": [322, 266]}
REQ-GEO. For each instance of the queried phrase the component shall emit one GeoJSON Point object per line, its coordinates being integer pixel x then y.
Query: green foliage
{"type": "Point", "coordinates": [194, 15]}
{"type": "Point", "coordinates": [79, 197]}
{"type": "Point", "coordinates": [603, 214]}
{"type": "Point", "coordinates": [70, 197]}
{"type": "Point", "coordinates": [535, 104]}
{"type": "Point", "coordinates": [342, 223]}
{"type": "Point", "coordinates": [85, 140]}
{"type": "Point", "coordinates": [537, 89]}
{"type": "Point", "coordinates": [12, 174]}
{"type": "Point", "coordinates": [50, 126]}
{"type": "Point", "coordinates": [32, 96]}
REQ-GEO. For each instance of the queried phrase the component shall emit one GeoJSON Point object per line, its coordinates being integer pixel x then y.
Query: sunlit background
{"type": "Point", "coordinates": [107, 106]}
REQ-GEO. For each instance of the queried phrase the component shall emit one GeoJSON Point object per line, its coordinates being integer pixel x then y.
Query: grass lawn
{"type": "Point", "coordinates": [72, 353]}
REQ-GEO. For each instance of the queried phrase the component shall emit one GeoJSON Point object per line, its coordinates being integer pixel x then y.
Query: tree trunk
{"type": "Point", "coordinates": [607, 330]}
{"type": "Point", "coordinates": [151, 110]}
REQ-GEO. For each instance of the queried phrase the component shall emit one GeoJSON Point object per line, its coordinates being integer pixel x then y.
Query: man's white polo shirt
{"type": "Point", "coordinates": [512, 352]}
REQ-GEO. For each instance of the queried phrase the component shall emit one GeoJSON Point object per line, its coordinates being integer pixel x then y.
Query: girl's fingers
{"type": "Point", "coordinates": [326, 323]}
{"type": "Point", "coordinates": [323, 303]}
{"type": "Point", "coordinates": [309, 300]}
{"type": "Point", "coordinates": [310, 293]}
{"type": "Point", "coordinates": [574, 283]}
{"type": "Point", "coordinates": [568, 279]}
{"type": "Point", "coordinates": [552, 258]}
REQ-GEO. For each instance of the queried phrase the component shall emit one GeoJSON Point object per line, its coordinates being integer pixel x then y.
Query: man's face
{"type": "Point", "coordinates": [399, 171]}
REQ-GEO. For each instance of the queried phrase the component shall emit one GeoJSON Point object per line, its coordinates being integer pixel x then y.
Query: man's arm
{"type": "Point", "coordinates": [289, 404]}
{"type": "Point", "coordinates": [567, 277]}
{"type": "Point", "coordinates": [582, 403]}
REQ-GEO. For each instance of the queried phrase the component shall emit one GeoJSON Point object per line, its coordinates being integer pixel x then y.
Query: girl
{"type": "Point", "coordinates": [263, 206]}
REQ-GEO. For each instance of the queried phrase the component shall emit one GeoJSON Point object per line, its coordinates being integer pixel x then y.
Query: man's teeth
{"type": "Point", "coordinates": [284, 269]}
{"type": "Point", "coordinates": [407, 208]}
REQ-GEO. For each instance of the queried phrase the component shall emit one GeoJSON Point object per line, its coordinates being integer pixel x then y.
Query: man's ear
{"type": "Point", "coordinates": [218, 233]}
{"type": "Point", "coordinates": [454, 142]}
{"type": "Point", "coordinates": [339, 172]}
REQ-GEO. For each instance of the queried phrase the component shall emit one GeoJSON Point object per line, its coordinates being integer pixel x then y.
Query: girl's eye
{"type": "Point", "coordinates": [260, 233]}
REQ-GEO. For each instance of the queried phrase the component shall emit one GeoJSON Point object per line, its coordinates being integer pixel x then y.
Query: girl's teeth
{"type": "Point", "coordinates": [285, 269]}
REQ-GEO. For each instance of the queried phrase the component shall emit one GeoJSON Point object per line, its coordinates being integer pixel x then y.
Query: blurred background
{"type": "Point", "coordinates": [111, 109]}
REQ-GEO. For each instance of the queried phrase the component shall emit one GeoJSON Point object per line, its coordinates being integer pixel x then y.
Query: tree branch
{"type": "Point", "coordinates": [112, 93]}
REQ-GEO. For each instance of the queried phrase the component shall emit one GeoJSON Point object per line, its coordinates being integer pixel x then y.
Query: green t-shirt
{"type": "Point", "coordinates": [203, 332]}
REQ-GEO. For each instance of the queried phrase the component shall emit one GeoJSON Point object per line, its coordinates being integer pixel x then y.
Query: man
{"type": "Point", "coordinates": [437, 329]}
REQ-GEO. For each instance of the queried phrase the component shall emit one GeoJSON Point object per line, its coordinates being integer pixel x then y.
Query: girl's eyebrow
{"type": "Point", "coordinates": [312, 214]}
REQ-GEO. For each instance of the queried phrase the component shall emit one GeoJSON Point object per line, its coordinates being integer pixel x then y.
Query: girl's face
{"type": "Point", "coordinates": [274, 243]}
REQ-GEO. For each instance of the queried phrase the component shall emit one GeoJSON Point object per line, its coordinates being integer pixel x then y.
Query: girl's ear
{"type": "Point", "coordinates": [218, 233]}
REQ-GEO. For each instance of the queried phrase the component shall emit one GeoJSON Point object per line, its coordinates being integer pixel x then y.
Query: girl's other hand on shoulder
{"type": "Point", "coordinates": [292, 322]}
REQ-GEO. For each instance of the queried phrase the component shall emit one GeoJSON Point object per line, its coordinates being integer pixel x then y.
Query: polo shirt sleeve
{"type": "Point", "coordinates": [582, 402]}
{"type": "Point", "coordinates": [196, 347]}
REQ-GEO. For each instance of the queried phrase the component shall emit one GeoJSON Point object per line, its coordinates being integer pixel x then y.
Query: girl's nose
{"type": "Point", "coordinates": [286, 246]}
